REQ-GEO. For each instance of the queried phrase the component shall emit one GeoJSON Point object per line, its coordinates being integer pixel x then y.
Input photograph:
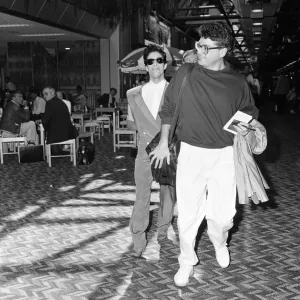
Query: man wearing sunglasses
{"type": "Point", "coordinates": [144, 104]}
{"type": "Point", "coordinates": [205, 183]}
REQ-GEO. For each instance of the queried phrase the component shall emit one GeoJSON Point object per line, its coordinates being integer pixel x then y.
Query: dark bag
{"type": "Point", "coordinates": [86, 153]}
{"type": "Point", "coordinates": [31, 153]}
{"type": "Point", "coordinates": [166, 175]}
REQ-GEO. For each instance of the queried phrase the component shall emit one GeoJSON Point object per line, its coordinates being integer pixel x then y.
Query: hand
{"type": "Point", "coordinates": [159, 154]}
{"type": "Point", "coordinates": [243, 128]}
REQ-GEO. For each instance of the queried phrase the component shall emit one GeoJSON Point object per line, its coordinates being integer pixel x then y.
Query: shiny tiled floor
{"type": "Point", "coordinates": [64, 232]}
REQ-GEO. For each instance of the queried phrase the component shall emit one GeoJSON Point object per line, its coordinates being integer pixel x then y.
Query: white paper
{"type": "Point", "coordinates": [239, 116]}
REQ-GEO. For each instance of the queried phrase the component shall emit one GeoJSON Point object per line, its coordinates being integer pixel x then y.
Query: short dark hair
{"type": "Point", "coordinates": [218, 32]}
{"type": "Point", "coordinates": [154, 48]}
{"type": "Point", "coordinates": [79, 87]}
{"type": "Point", "coordinates": [113, 89]}
{"type": "Point", "coordinates": [14, 93]}
{"type": "Point", "coordinates": [34, 91]}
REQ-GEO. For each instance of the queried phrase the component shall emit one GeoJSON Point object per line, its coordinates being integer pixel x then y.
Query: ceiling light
{"type": "Point", "coordinates": [13, 25]}
{"type": "Point", "coordinates": [67, 48]}
{"type": "Point", "coordinates": [257, 32]}
{"type": "Point", "coordinates": [257, 10]}
{"type": "Point", "coordinates": [257, 24]}
{"type": "Point", "coordinates": [42, 34]}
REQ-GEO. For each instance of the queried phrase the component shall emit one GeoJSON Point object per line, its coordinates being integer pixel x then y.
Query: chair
{"type": "Point", "coordinates": [118, 132]}
{"type": "Point", "coordinates": [7, 141]}
{"type": "Point", "coordinates": [94, 127]}
{"type": "Point", "coordinates": [104, 118]}
{"type": "Point", "coordinates": [83, 135]}
{"type": "Point", "coordinates": [72, 154]}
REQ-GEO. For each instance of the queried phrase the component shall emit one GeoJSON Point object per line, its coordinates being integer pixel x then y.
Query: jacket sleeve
{"type": "Point", "coordinates": [46, 117]}
{"type": "Point", "coordinates": [169, 105]}
{"type": "Point", "coordinates": [23, 115]}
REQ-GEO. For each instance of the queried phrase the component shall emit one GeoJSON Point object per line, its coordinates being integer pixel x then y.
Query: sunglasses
{"type": "Point", "coordinates": [205, 48]}
{"type": "Point", "coordinates": [150, 61]}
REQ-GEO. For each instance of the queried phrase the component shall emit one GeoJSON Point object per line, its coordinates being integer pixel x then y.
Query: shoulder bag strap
{"type": "Point", "coordinates": [179, 102]}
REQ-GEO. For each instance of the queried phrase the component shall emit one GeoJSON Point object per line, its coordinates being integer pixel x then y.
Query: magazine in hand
{"type": "Point", "coordinates": [238, 117]}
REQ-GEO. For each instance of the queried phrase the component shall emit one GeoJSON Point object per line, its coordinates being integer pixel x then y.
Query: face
{"type": "Point", "coordinates": [113, 93]}
{"type": "Point", "coordinates": [48, 94]}
{"type": "Point", "coordinates": [18, 98]}
{"type": "Point", "coordinates": [214, 56]}
{"type": "Point", "coordinates": [156, 70]}
{"type": "Point", "coordinates": [59, 95]}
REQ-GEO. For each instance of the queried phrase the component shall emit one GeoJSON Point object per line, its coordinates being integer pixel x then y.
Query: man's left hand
{"type": "Point", "coordinates": [243, 128]}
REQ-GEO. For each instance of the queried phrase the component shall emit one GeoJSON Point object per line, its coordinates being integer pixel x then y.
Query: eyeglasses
{"type": "Point", "coordinates": [150, 61]}
{"type": "Point", "coordinates": [205, 48]}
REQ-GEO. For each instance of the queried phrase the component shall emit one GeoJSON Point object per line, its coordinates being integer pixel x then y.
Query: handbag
{"type": "Point", "coordinates": [31, 153]}
{"type": "Point", "coordinates": [166, 175]}
{"type": "Point", "coordinates": [86, 153]}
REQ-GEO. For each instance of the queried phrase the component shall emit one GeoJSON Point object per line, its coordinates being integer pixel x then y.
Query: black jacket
{"type": "Point", "coordinates": [103, 100]}
{"type": "Point", "coordinates": [13, 116]}
{"type": "Point", "coordinates": [57, 122]}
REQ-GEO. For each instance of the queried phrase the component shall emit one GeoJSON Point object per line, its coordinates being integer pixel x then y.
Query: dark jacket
{"type": "Point", "coordinates": [13, 116]}
{"type": "Point", "coordinates": [57, 123]}
{"type": "Point", "coordinates": [147, 126]}
{"type": "Point", "coordinates": [103, 100]}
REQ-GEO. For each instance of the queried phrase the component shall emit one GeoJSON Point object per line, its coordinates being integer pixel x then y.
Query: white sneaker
{"type": "Point", "coordinates": [181, 278]}
{"type": "Point", "coordinates": [223, 257]}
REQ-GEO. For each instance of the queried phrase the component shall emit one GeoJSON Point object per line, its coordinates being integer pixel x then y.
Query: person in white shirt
{"type": "Point", "coordinates": [59, 95]}
{"type": "Point", "coordinates": [11, 87]}
{"type": "Point", "coordinates": [79, 99]}
{"type": "Point", "coordinates": [39, 105]}
{"type": "Point", "coordinates": [144, 104]}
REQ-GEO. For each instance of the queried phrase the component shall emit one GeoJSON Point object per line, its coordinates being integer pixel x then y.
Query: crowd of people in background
{"type": "Point", "coordinates": [21, 113]}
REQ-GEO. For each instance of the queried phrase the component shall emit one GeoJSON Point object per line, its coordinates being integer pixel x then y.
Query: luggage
{"type": "Point", "coordinates": [85, 153]}
{"type": "Point", "coordinates": [31, 153]}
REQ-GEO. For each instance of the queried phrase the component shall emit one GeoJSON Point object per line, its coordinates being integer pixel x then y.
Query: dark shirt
{"type": "Point", "coordinates": [13, 116]}
{"type": "Point", "coordinates": [209, 100]}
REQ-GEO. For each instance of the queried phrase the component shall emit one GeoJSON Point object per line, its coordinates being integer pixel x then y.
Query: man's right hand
{"type": "Point", "coordinates": [158, 155]}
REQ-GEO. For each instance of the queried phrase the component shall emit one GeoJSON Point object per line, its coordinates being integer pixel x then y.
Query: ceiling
{"type": "Point", "coordinates": [253, 22]}
{"type": "Point", "coordinates": [267, 32]}
{"type": "Point", "coordinates": [17, 29]}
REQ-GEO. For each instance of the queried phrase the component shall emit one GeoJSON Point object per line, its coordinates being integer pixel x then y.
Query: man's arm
{"type": "Point", "coordinates": [246, 101]}
{"type": "Point", "coordinates": [46, 117]}
{"type": "Point", "coordinates": [166, 114]}
{"type": "Point", "coordinates": [23, 114]}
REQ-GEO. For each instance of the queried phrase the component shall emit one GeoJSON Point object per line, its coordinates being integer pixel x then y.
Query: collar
{"type": "Point", "coordinates": [161, 83]}
{"type": "Point", "coordinates": [16, 103]}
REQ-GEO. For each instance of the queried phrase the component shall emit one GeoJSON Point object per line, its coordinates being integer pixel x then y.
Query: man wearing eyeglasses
{"type": "Point", "coordinates": [205, 183]}
{"type": "Point", "coordinates": [144, 104]}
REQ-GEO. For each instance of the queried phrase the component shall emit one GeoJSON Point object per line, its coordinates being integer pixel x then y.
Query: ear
{"type": "Point", "coordinates": [165, 66]}
{"type": "Point", "coordinates": [147, 68]}
{"type": "Point", "coordinates": [223, 52]}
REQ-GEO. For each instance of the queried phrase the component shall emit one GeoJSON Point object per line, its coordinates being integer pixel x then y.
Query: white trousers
{"type": "Point", "coordinates": [205, 187]}
{"type": "Point", "coordinates": [29, 129]}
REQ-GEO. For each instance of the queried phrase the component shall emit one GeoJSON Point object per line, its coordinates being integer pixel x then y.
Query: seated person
{"type": "Point", "coordinates": [39, 105]}
{"type": "Point", "coordinates": [16, 119]}
{"type": "Point", "coordinates": [56, 120]}
{"type": "Point", "coordinates": [60, 96]}
{"type": "Point", "coordinates": [108, 100]}
{"type": "Point", "coordinates": [79, 98]}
